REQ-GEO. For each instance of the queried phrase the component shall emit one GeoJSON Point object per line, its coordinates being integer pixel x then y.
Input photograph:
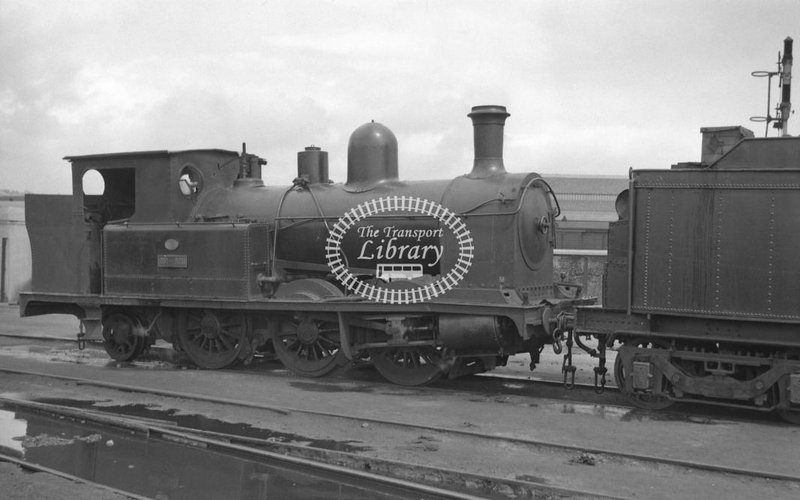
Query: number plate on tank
{"type": "Point", "coordinates": [173, 261]}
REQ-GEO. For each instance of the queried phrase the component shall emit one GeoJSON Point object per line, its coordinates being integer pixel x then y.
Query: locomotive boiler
{"type": "Point", "coordinates": [422, 278]}
{"type": "Point", "coordinates": [701, 287]}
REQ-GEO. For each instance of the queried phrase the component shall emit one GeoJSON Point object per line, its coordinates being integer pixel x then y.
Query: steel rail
{"type": "Point", "coordinates": [47, 338]}
{"type": "Point", "coordinates": [76, 479]}
{"type": "Point", "coordinates": [519, 379]}
{"type": "Point", "coordinates": [372, 469]}
{"type": "Point", "coordinates": [490, 374]}
{"type": "Point", "coordinates": [689, 464]}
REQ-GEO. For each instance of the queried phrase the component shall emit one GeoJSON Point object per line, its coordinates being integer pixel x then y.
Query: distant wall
{"type": "Point", "coordinates": [17, 249]}
{"type": "Point", "coordinates": [584, 267]}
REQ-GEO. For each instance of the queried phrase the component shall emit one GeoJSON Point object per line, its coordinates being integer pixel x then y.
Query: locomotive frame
{"type": "Point", "coordinates": [193, 248]}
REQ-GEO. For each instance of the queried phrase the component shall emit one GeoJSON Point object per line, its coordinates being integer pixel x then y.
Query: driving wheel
{"type": "Point", "coordinates": [308, 347]}
{"type": "Point", "coordinates": [419, 365]}
{"type": "Point", "coordinates": [123, 336]}
{"type": "Point", "coordinates": [212, 339]}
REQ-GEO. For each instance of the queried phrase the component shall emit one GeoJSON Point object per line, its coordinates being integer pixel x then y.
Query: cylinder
{"type": "Point", "coordinates": [313, 163]}
{"type": "Point", "coordinates": [488, 126]}
{"type": "Point", "coordinates": [470, 333]}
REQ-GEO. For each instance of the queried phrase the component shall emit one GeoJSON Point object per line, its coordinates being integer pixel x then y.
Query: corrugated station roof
{"type": "Point", "coordinates": [6, 195]}
{"type": "Point", "coordinates": [587, 184]}
{"type": "Point", "coordinates": [587, 198]}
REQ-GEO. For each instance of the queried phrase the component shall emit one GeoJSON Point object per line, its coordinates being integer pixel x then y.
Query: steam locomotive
{"type": "Point", "coordinates": [439, 278]}
{"type": "Point", "coordinates": [423, 278]}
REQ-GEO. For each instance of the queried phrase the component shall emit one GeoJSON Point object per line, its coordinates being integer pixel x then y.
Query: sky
{"type": "Point", "coordinates": [593, 87]}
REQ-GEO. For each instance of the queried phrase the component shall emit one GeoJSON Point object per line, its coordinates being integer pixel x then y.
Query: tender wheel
{"type": "Point", "coordinates": [408, 365]}
{"type": "Point", "coordinates": [212, 339]}
{"type": "Point", "coordinates": [123, 336]}
{"type": "Point", "coordinates": [307, 347]}
{"type": "Point", "coordinates": [646, 401]}
{"type": "Point", "coordinates": [792, 416]}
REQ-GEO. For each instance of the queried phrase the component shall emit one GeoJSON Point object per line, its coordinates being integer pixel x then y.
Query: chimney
{"type": "Point", "coordinates": [488, 123]}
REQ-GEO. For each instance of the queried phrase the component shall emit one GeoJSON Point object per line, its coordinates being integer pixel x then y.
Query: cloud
{"type": "Point", "coordinates": [591, 86]}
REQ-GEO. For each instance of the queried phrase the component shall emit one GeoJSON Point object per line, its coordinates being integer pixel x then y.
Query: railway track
{"type": "Point", "coordinates": [581, 454]}
{"type": "Point", "coordinates": [166, 353]}
{"type": "Point", "coordinates": [498, 383]}
{"type": "Point", "coordinates": [32, 467]}
{"type": "Point", "coordinates": [170, 354]}
{"type": "Point", "coordinates": [411, 479]}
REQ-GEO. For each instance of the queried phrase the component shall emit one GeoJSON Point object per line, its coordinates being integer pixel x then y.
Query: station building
{"type": "Point", "coordinates": [587, 206]}
{"type": "Point", "coordinates": [15, 251]}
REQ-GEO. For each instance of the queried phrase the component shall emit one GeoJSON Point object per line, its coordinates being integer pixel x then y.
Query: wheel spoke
{"type": "Point", "coordinates": [223, 339]}
{"type": "Point", "coordinates": [326, 351]}
{"type": "Point", "coordinates": [328, 341]}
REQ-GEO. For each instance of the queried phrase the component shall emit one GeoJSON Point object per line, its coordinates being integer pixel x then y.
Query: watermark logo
{"type": "Point", "coordinates": [401, 253]}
